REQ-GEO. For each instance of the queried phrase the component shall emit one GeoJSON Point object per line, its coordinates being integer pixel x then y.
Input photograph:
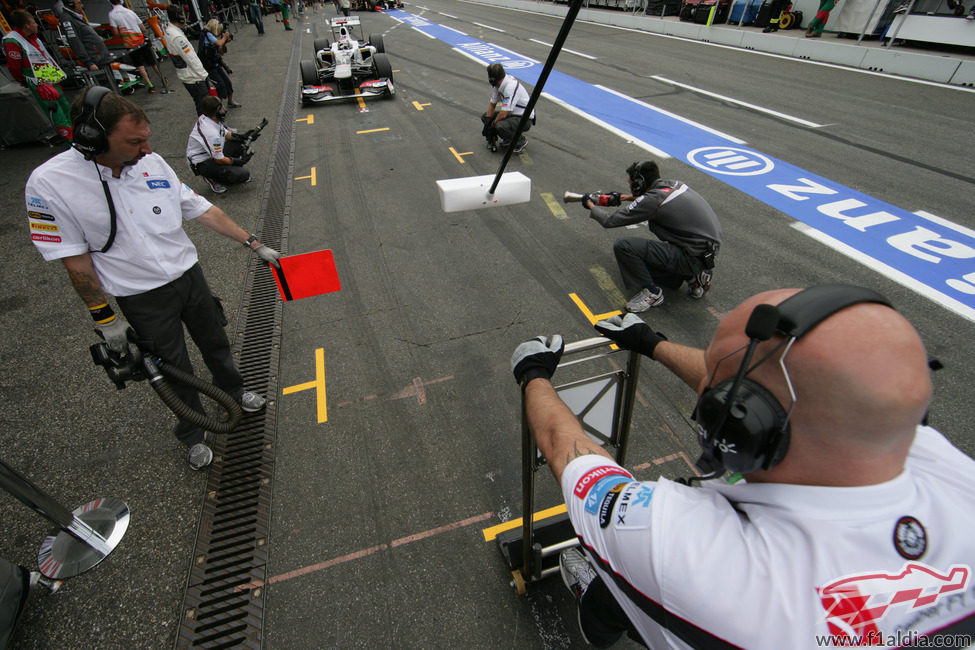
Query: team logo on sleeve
{"type": "Point", "coordinates": [52, 239]}
{"type": "Point", "coordinates": [854, 604]}
{"type": "Point", "coordinates": [40, 216]}
{"type": "Point", "coordinates": [594, 476]}
{"type": "Point", "coordinates": [36, 202]}
{"type": "Point", "coordinates": [50, 227]}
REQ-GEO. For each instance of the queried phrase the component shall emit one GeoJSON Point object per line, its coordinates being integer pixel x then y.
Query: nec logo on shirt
{"type": "Point", "coordinates": [158, 184]}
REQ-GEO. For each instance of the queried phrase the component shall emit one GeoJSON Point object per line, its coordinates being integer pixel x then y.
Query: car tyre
{"type": "Point", "coordinates": [309, 73]}
{"type": "Point", "coordinates": [322, 44]}
{"type": "Point", "coordinates": [376, 40]}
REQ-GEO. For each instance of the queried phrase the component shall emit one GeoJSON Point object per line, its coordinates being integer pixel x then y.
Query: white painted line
{"type": "Point", "coordinates": [944, 222]}
{"type": "Point", "coordinates": [489, 27]}
{"type": "Point", "coordinates": [612, 129]}
{"type": "Point", "coordinates": [447, 15]}
{"type": "Point", "coordinates": [456, 31]}
{"type": "Point", "coordinates": [468, 55]}
{"type": "Point", "coordinates": [430, 36]}
{"type": "Point", "coordinates": [696, 125]}
{"type": "Point", "coordinates": [889, 272]}
{"type": "Point", "coordinates": [730, 100]}
{"type": "Point", "coordinates": [564, 49]}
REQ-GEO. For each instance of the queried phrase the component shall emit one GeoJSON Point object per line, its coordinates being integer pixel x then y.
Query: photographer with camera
{"type": "Point", "coordinates": [113, 211]}
{"type": "Point", "coordinates": [213, 45]}
{"type": "Point", "coordinates": [218, 153]}
{"type": "Point", "coordinates": [853, 524]}
{"type": "Point", "coordinates": [688, 231]}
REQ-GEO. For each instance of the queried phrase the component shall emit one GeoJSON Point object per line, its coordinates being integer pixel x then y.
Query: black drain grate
{"type": "Point", "coordinates": [221, 608]}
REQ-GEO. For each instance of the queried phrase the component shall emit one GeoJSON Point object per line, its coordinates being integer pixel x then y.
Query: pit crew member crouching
{"type": "Point", "coordinates": [214, 151]}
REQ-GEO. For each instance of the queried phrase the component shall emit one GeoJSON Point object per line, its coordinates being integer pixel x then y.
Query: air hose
{"type": "Point", "coordinates": [137, 365]}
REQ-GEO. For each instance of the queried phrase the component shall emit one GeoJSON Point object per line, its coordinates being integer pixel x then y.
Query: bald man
{"type": "Point", "coordinates": [859, 534]}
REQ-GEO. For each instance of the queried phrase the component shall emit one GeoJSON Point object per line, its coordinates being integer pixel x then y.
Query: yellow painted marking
{"type": "Point", "coordinates": [312, 176]}
{"type": "Point", "coordinates": [492, 532]}
{"type": "Point", "coordinates": [318, 384]}
{"type": "Point", "coordinates": [459, 156]}
{"type": "Point", "coordinates": [310, 119]}
{"type": "Point", "coordinates": [362, 103]}
{"type": "Point", "coordinates": [592, 318]}
{"type": "Point", "coordinates": [418, 106]}
{"type": "Point", "coordinates": [385, 128]}
{"type": "Point", "coordinates": [553, 205]}
{"type": "Point", "coordinates": [606, 283]}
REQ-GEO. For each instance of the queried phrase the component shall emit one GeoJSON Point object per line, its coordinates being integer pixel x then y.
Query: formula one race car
{"type": "Point", "coordinates": [349, 67]}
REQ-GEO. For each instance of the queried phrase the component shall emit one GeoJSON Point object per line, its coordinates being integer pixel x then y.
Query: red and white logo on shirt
{"type": "Point", "coordinates": [854, 604]}
{"type": "Point", "coordinates": [595, 475]}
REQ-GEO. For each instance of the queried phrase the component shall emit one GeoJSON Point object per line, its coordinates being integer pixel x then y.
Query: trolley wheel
{"type": "Point", "coordinates": [518, 582]}
{"type": "Point", "coordinates": [786, 20]}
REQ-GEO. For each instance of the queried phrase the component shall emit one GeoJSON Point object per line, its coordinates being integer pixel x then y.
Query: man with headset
{"type": "Point", "coordinates": [509, 99]}
{"type": "Point", "coordinates": [687, 229]}
{"type": "Point", "coordinates": [112, 211]}
{"type": "Point", "coordinates": [215, 152]}
{"type": "Point", "coordinates": [853, 524]}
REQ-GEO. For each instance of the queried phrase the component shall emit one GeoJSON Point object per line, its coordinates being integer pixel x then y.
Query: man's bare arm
{"type": "Point", "coordinates": [557, 431]}
{"type": "Point", "coordinates": [81, 270]}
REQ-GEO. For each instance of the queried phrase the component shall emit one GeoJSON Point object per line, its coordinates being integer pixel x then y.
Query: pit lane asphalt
{"type": "Point", "coordinates": [386, 510]}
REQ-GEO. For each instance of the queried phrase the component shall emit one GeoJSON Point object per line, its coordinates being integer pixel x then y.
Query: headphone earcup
{"type": "Point", "coordinates": [753, 436]}
{"type": "Point", "coordinates": [89, 140]}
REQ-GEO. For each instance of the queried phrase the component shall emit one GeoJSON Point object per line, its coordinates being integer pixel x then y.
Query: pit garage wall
{"type": "Point", "coordinates": [882, 59]}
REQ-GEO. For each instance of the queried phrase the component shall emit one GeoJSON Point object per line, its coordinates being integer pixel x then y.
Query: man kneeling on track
{"type": "Point", "coordinates": [215, 152]}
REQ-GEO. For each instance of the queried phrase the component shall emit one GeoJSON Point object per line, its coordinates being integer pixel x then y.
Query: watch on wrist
{"type": "Point", "coordinates": [250, 240]}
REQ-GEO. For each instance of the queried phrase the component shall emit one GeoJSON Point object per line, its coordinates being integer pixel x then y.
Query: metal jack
{"type": "Point", "coordinates": [83, 538]}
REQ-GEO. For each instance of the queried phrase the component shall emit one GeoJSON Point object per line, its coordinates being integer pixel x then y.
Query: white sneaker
{"type": "Point", "coordinates": [576, 571]}
{"type": "Point", "coordinates": [200, 455]}
{"type": "Point", "coordinates": [251, 402]}
{"type": "Point", "coordinates": [215, 186]}
{"type": "Point", "coordinates": [645, 300]}
{"type": "Point", "coordinates": [698, 285]}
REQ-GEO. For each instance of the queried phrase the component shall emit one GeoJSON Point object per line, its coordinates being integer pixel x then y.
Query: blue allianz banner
{"type": "Point", "coordinates": [928, 254]}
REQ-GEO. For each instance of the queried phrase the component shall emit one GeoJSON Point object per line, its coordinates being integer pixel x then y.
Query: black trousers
{"type": "Point", "coordinates": [602, 619]}
{"type": "Point", "coordinates": [159, 315]}
{"type": "Point", "coordinates": [197, 91]}
{"type": "Point", "coordinates": [504, 129]}
{"type": "Point", "coordinates": [650, 264]}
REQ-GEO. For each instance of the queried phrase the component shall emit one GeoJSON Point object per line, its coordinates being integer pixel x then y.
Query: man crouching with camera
{"type": "Point", "coordinates": [215, 152]}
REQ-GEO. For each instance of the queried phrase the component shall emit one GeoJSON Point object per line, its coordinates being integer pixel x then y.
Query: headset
{"type": "Point", "coordinates": [493, 77]}
{"type": "Point", "coordinates": [638, 182]}
{"type": "Point", "coordinates": [742, 427]}
{"type": "Point", "coordinates": [89, 136]}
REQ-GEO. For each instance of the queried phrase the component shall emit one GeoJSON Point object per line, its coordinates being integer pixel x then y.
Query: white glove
{"type": "Point", "coordinates": [269, 255]}
{"type": "Point", "coordinates": [116, 334]}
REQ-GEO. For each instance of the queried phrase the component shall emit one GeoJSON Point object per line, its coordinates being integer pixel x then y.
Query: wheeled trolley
{"type": "Point", "coordinates": [604, 405]}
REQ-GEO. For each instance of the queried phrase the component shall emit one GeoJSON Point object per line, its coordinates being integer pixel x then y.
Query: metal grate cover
{"type": "Point", "coordinates": [231, 545]}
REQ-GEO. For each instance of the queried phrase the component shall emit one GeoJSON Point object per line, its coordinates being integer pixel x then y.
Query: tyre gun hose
{"type": "Point", "coordinates": [180, 408]}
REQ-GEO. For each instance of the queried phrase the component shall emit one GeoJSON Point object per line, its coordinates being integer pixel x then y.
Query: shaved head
{"type": "Point", "coordinates": [861, 382]}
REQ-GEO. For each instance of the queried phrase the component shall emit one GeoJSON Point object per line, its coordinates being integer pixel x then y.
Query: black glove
{"type": "Point", "coordinates": [611, 199]}
{"type": "Point", "coordinates": [238, 161]}
{"type": "Point", "coordinates": [586, 198]}
{"type": "Point", "coordinates": [538, 357]}
{"type": "Point", "coordinates": [246, 157]}
{"type": "Point", "coordinates": [630, 333]}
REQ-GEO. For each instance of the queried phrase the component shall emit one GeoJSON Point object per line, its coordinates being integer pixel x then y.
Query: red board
{"type": "Point", "coordinates": [308, 274]}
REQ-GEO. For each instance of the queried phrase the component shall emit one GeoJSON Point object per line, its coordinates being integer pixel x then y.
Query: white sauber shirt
{"type": "Point", "coordinates": [206, 140]}
{"type": "Point", "coordinates": [513, 96]}
{"type": "Point", "coordinates": [69, 215]}
{"type": "Point", "coordinates": [787, 566]}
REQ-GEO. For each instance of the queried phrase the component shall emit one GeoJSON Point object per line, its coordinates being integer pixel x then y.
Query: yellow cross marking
{"type": "Point", "coordinates": [553, 205]}
{"type": "Point", "coordinates": [318, 384]}
{"type": "Point", "coordinates": [492, 532]}
{"type": "Point", "coordinates": [310, 119]}
{"type": "Point", "coordinates": [418, 106]}
{"type": "Point", "coordinates": [459, 156]}
{"type": "Point", "coordinates": [311, 176]}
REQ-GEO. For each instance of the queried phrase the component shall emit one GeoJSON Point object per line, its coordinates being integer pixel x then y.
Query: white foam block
{"type": "Point", "coordinates": [471, 193]}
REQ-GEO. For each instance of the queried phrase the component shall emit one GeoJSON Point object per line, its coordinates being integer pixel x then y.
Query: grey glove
{"type": "Point", "coordinates": [631, 333]}
{"type": "Point", "coordinates": [116, 334]}
{"type": "Point", "coordinates": [536, 358]}
{"type": "Point", "coordinates": [269, 255]}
